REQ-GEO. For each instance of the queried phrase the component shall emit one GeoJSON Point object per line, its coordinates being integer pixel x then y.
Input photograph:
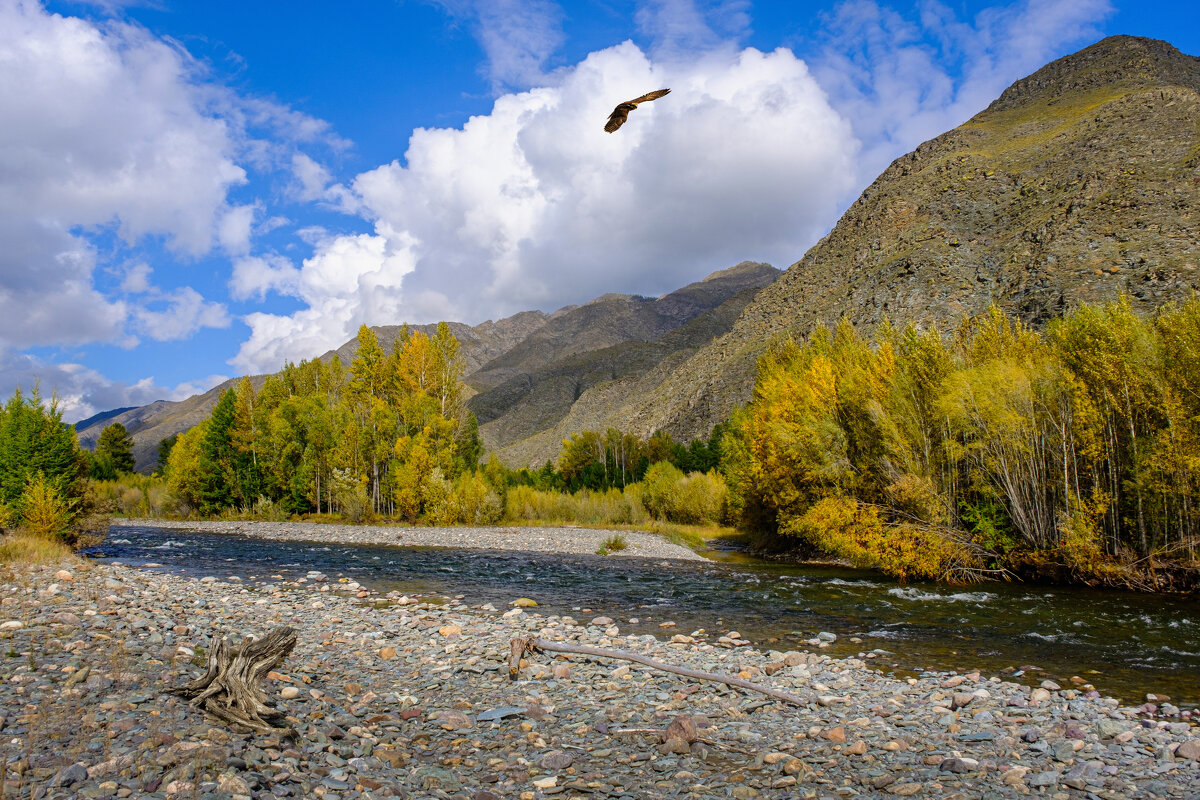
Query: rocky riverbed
{"type": "Point", "coordinates": [577, 541]}
{"type": "Point", "coordinates": [392, 696]}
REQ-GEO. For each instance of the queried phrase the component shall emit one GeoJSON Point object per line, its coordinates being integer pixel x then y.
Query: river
{"type": "Point", "coordinates": [1126, 644]}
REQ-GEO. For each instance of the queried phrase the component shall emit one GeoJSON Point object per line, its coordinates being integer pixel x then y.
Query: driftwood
{"type": "Point", "coordinates": [230, 689]}
{"type": "Point", "coordinates": [519, 647]}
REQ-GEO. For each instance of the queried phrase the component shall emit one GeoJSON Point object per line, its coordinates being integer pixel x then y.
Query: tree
{"type": "Point", "coordinates": [216, 467]}
{"type": "Point", "coordinates": [164, 451]}
{"type": "Point", "coordinates": [116, 445]}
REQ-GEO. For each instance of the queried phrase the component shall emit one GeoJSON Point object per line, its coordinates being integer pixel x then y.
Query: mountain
{"type": "Point", "coordinates": [523, 371]}
{"type": "Point", "coordinates": [1080, 182]}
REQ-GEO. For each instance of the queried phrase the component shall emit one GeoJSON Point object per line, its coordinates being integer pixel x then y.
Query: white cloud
{"type": "Point", "coordinates": [534, 205]}
{"type": "Point", "coordinates": [235, 228]}
{"type": "Point", "coordinates": [903, 80]}
{"type": "Point", "coordinates": [517, 37]}
{"type": "Point", "coordinates": [137, 278]}
{"type": "Point", "coordinates": [682, 26]}
{"type": "Point", "coordinates": [82, 391]}
{"type": "Point", "coordinates": [101, 129]}
{"type": "Point", "coordinates": [186, 313]}
{"type": "Point", "coordinates": [349, 281]}
{"type": "Point", "coordinates": [254, 276]}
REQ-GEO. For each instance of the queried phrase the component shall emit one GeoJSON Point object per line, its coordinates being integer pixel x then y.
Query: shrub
{"type": "Point", "coordinates": [350, 494]}
{"type": "Point", "coordinates": [611, 507]}
{"type": "Point", "coordinates": [44, 511]}
{"type": "Point", "coordinates": [659, 489]}
{"type": "Point", "coordinates": [612, 544]}
{"type": "Point", "coordinates": [478, 503]}
{"type": "Point", "coordinates": [844, 527]}
{"type": "Point", "coordinates": [697, 498]}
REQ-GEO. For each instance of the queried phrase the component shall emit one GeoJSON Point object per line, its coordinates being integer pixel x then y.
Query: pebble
{"type": "Point", "coordinates": [414, 700]}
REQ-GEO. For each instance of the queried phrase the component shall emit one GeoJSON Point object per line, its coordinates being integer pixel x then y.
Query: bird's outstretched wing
{"type": "Point", "coordinates": [621, 113]}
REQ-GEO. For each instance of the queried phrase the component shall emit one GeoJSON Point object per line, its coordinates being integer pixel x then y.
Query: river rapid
{"type": "Point", "coordinates": [1126, 644]}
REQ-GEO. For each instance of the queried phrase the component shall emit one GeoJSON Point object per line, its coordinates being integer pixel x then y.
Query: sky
{"type": "Point", "coordinates": [194, 191]}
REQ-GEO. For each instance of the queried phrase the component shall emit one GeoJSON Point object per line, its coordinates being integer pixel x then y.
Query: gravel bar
{"type": "Point", "coordinates": [574, 541]}
{"type": "Point", "coordinates": [392, 696]}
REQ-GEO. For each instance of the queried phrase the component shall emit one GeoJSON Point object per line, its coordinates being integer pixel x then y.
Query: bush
{"type": "Point", "coordinates": [611, 507]}
{"type": "Point", "coordinates": [478, 503]}
{"type": "Point", "coordinates": [612, 544]}
{"type": "Point", "coordinates": [693, 499]}
{"type": "Point", "coordinates": [350, 494]}
{"type": "Point", "coordinates": [44, 511]}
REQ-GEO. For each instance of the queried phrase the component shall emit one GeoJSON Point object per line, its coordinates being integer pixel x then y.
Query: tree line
{"type": "Point", "coordinates": [997, 447]}
{"type": "Point", "coordinates": [373, 438]}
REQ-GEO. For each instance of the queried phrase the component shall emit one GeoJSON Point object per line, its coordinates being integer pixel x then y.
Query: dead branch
{"type": "Point", "coordinates": [519, 647]}
{"type": "Point", "coordinates": [230, 688]}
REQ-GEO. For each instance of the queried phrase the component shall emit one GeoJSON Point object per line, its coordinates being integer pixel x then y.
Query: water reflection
{"type": "Point", "coordinates": [1127, 644]}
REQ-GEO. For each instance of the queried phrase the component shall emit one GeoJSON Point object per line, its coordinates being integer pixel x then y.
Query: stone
{"type": "Point", "coordinates": [524, 602]}
{"type": "Point", "coordinates": [69, 776]}
{"type": "Point", "coordinates": [1189, 750]}
{"type": "Point", "coordinates": [289, 692]}
{"type": "Point", "coordinates": [450, 630]}
{"type": "Point", "coordinates": [12, 625]}
{"type": "Point", "coordinates": [546, 783]}
{"type": "Point", "coordinates": [1045, 778]}
{"type": "Point", "coordinates": [387, 653]}
{"type": "Point", "coordinates": [64, 575]}
{"type": "Point", "coordinates": [602, 622]}
{"type": "Point", "coordinates": [836, 735]}
{"type": "Point", "coordinates": [961, 700]}
{"type": "Point", "coordinates": [1039, 695]}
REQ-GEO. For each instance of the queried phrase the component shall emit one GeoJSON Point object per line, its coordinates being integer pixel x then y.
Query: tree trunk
{"type": "Point", "coordinates": [230, 689]}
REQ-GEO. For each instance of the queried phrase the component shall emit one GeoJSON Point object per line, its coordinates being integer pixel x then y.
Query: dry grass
{"type": "Point", "coordinates": [26, 548]}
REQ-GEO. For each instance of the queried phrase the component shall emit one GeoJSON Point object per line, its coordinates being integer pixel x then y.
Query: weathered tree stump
{"type": "Point", "coordinates": [231, 687]}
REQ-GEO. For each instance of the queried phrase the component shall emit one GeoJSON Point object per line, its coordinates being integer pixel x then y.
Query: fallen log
{"type": "Point", "coordinates": [519, 647]}
{"type": "Point", "coordinates": [230, 689]}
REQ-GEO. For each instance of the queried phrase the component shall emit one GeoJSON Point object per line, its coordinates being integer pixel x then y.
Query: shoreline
{"type": "Point", "coordinates": [557, 539]}
{"type": "Point", "coordinates": [394, 697]}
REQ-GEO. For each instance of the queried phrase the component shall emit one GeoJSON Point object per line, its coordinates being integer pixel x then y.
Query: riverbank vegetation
{"type": "Point", "coordinates": [1068, 453]}
{"type": "Point", "coordinates": [42, 481]}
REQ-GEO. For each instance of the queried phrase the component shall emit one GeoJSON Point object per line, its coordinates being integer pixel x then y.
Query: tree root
{"type": "Point", "coordinates": [230, 689]}
{"type": "Point", "coordinates": [519, 647]}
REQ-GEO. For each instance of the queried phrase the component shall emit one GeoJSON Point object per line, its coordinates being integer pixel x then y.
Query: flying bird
{"type": "Point", "coordinates": [621, 113]}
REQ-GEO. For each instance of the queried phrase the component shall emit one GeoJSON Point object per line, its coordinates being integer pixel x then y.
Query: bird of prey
{"type": "Point", "coordinates": [621, 113]}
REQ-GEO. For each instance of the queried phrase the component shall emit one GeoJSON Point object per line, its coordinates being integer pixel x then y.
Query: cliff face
{"type": "Point", "coordinates": [1079, 183]}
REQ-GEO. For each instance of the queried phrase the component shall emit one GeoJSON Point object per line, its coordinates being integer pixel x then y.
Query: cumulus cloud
{"type": "Point", "coordinates": [904, 79]}
{"type": "Point", "coordinates": [534, 205]}
{"type": "Point", "coordinates": [101, 130]}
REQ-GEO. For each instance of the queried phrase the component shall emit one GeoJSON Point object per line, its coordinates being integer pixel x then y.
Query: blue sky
{"type": "Point", "coordinates": [191, 191]}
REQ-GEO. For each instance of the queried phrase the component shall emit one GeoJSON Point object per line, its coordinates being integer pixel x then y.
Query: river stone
{"type": "Point", "coordinates": [1189, 750]}
{"type": "Point", "coordinates": [289, 693]}
{"type": "Point", "coordinates": [524, 602]}
{"type": "Point", "coordinates": [1046, 778]}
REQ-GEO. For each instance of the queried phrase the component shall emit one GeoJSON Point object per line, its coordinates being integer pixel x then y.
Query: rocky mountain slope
{"type": "Point", "coordinates": [1082, 181]}
{"type": "Point", "coordinates": [524, 371]}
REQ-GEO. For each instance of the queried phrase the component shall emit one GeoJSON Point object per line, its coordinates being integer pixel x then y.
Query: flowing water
{"type": "Point", "coordinates": [1126, 644]}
